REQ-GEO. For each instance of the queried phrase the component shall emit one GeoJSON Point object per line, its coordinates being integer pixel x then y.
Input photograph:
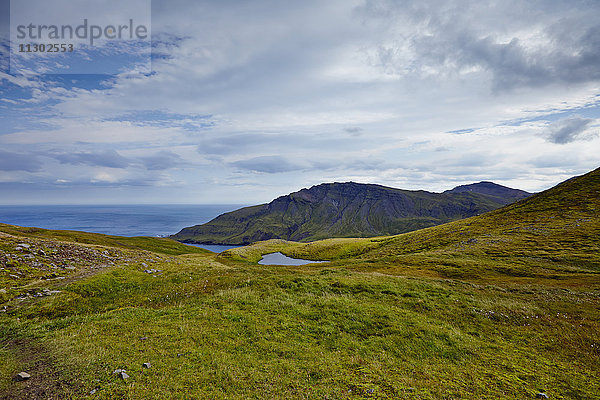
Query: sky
{"type": "Point", "coordinates": [244, 101]}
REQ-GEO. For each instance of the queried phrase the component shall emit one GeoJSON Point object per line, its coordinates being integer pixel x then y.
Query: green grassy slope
{"type": "Point", "coordinates": [548, 235]}
{"type": "Point", "coordinates": [501, 306]}
{"type": "Point", "coordinates": [347, 210]}
{"type": "Point", "coordinates": [158, 245]}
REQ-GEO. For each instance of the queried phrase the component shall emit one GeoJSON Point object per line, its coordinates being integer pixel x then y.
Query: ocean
{"type": "Point", "coordinates": [121, 220]}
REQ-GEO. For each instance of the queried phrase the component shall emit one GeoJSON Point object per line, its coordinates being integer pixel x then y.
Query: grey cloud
{"type": "Point", "coordinates": [568, 130]}
{"type": "Point", "coordinates": [451, 37]}
{"type": "Point", "coordinates": [232, 144]}
{"type": "Point", "coordinates": [161, 160]}
{"type": "Point", "coordinates": [561, 160]}
{"type": "Point", "coordinates": [105, 158]}
{"type": "Point", "coordinates": [277, 142]}
{"type": "Point", "coordinates": [266, 164]}
{"type": "Point", "coordinates": [19, 162]}
{"type": "Point", "coordinates": [354, 131]}
{"type": "Point", "coordinates": [353, 164]}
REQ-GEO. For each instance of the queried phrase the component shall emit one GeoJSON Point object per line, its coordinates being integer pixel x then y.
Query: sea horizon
{"type": "Point", "coordinates": [158, 220]}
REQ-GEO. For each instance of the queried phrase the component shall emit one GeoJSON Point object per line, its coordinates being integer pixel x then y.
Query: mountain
{"type": "Point", "coordinates": [348, 210]}
{"type": "Point", "coordinates": [551, 236]}
{"type": "Point", "coordinates": [500, 193]}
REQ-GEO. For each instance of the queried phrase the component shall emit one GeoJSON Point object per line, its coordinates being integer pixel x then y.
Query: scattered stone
{"type": "Point", "coordinates": [541, 396]}
{"type": "Point", "coordinates": [152, 271]}
{"type": "Point", "coordinates": [2, 291]}
{"type": "Point", "coordinates": [179, 354]}
{"type": "Point", "coordinates": [146, 365]}
{"type": "Point", "coordinates": [371, 391]}
{"type": "Point", "coordinates": [25, 245]}
{"type": "Point", "coordinates": [144, 265]}
{"type": "Point", "coordinates": [121, 373]}
{"type": "Point", "coordinates": [144, 338]}
{"type": "Point", "coordinates": [47, 292]}
{"type": "Point", "coordinates": [14, 276]}
{"type": "Point", "coordinates": [22, 376]}
{"type": "Point", "coordinates": [93, 391]}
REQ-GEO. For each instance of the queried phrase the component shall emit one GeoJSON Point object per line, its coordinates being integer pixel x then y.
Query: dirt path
{"type": "Point", "coordinates": [46, 380]}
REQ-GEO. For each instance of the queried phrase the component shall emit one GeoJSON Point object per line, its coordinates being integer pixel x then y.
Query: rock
{"type": "Point", "coordinates": [2, 291]}
{"type": "Point", "coordinates": [123, 375]}
{"type": "Point", "coordinates": [93, 391]}
{"type": "Point", "coordinates": [152, 271]}
{"type": "Point", "coordinates": [144, 265]}
{"type": "Point", "coordinates": [146, 365]}
{"type": "Point", "coordinates": [144, 338]}
{"type": "Point", "coordinates": [24, 245]}
{"type": "Point", "coordinates": [118, 371]}
{"type": "Point", "coordinates": [22, 376]}
{"type": "Point", "coordinates": [541, 396]}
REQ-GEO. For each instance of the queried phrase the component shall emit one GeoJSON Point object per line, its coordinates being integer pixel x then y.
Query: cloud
{"type": "Point", "coordinates": [273, 96]}
{"type": "Point", "coordinates": [266, 164]}
{"type": "Point", "coordinates": [569, 130]}
{"type": "Point", "coordinates": [523, 45]}
{"type": "Point", "coordinates": [105, 158]}
{"type": "Point", "coordinates": [354, 130]}
{"type": "Point", "coordinates": [161, 160]}
{"type": "Point", "coordinates": [19, 162]}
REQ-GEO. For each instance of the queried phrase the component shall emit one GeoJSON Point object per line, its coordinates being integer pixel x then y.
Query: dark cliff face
{"type": "Point", "coordinates": [346, 210]}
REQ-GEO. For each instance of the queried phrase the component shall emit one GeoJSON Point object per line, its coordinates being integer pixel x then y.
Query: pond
{"type": "Point", "coordinates": [280, 259]}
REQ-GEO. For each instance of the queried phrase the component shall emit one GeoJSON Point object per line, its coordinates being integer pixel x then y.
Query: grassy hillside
{"type": "Point", "coordinates": [348, 210]}
{"type": "Point", "coordinates": [501, 306]}
{"type": "Point", "coordinates": [549, 235]}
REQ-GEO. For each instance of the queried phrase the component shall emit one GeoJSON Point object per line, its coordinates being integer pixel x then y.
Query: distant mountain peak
{"type": "Point", "coordinates": [492, 189]}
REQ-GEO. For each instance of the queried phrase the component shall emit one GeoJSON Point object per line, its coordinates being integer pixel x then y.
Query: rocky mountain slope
{"type": "Point", "coordinates": [349, 210]}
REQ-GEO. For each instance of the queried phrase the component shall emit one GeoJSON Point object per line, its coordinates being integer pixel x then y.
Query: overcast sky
{"type": "Point", "coordinates": [249, 100]}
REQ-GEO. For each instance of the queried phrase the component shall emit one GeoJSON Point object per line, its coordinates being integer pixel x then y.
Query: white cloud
{"type": "Point", "coordinates": [313, 91]}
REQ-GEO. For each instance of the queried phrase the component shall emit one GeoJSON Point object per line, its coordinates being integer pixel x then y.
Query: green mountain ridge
{"type": "Point", "coordinates": [348, 210]}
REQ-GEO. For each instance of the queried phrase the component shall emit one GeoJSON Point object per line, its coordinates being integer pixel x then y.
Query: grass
{"type": "Point", "coordinates": [157, 245]}
{"type": "Point", "coordinates": [217, 331]}
{"type": "Point", "coordinates": [505, 305]}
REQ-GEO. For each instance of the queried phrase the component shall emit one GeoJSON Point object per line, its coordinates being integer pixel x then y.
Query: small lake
{"type": "Point", "coordinates": [280, 259]}
{"type": "Point", "coordinates": [215, 248]}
